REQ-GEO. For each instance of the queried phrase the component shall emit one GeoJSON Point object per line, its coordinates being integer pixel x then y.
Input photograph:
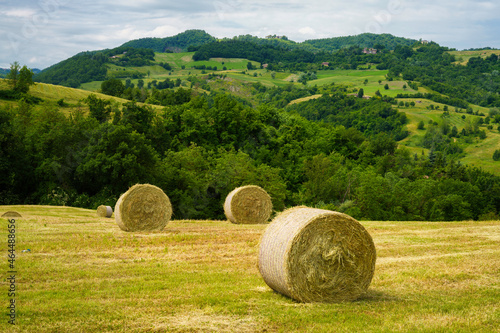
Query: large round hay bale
{"type": "Point", "coordinates": [104, 211]}
{"type": "Point", "coordinates": [143, 207]}
{"type": "Point", "coordinates": [316, 255]}
{"type": "Point", "coordinates": [11, 213]}
{"type": "Point", "coordinates": [248, 205]}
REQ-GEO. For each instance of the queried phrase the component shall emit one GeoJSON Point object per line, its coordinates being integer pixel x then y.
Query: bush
{"type": "Point", "coordinates": [496, 155]}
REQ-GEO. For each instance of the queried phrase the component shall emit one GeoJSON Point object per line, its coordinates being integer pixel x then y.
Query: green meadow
{"type": "Point", "coordinates": [83, 274]}
{"type": "Point", "coordinates": [463, 57]}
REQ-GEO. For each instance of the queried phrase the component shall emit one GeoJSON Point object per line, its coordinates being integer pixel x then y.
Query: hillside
{"type": "Point", "coordinates": [90, 66]}
{"type": "Point", "coordinates": [332, 130]}
{"type": "Point", "coordinates": [219, 131]}
{"type": "Point", "coordinates": [177, 43]}
{"type": "Point", "coordinates": [365, 40]}
{"type": "Point", "coordinates": [4, 72]}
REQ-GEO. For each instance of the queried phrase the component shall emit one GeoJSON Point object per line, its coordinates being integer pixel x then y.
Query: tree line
{"type": "Point", "coordinates": [200, 150]}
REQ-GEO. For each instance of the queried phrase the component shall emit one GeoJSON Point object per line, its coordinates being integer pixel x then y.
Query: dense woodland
{"type": "Point", "coordinates": [177, 43]}
{"type": "Point", "coordinates": [338, 151]}
{"type": "Point", "coordinates": [199, 151]}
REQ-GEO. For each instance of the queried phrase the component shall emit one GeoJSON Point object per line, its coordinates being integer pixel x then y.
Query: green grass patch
{"type": "Point", "coordinates": [348, 77]}
{"type": "Point", "coordinates": [462, 57]}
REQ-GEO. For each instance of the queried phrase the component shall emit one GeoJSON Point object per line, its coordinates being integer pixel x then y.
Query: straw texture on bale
{"type": "Point", "coordinates": [11, 213]}
{"type": "Point", "coordinates": [316, 255]}
{"type": "Point", "coordinates": [248, 205]}
{"type": "Point", "coordinates": [143, 207]}
{"type": "Point", "coordinates": [104, 211]}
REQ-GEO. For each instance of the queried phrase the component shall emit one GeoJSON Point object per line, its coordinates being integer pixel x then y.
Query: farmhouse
{"type": "Point", "coordinates": [367, 50]}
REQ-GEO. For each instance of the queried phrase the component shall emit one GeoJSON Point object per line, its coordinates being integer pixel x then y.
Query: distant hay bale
{"type": "Point", "coordinates": [104, 211]}
{"type": "Point", "coordinates": [143, 207]}
{"type": "Point", "coordinates": [11, 213]}
{"type": "Point", "coordinates": [248, 205]}
{"type": "Point", "coordinates": [316, 255]}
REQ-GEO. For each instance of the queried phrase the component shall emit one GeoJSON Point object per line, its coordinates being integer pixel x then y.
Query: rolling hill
{"type": "Point", "coordinates": [90, 66]}
{"type": "Point", "coordinates": [177, 43]}
{"type": "Point", "coordinates": [315, 128]}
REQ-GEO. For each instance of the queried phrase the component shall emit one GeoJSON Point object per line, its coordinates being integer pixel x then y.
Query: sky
{"type": "Point", "coordinates": [40, 33]}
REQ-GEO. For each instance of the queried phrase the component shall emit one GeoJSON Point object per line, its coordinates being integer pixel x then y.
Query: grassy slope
{"type": "Point", "coordinates": [479, 153]}
{"type": "Point", "coordinates": [463, 57]}
{"type": "Point", "coordinates": [84, 274]}
{"type": "Point", "coordinates": [73, 98]}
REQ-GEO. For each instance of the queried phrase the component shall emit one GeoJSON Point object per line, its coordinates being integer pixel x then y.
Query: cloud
{"type": "Point", "coordinates": [44, 32]}
{"type": "Point", "coordinates": [19, 12]}
{"type": "Point", "coordinates": [307, 31]}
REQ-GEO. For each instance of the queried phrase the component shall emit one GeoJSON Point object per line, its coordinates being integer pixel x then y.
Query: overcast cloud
{"type": "Point", "coordinates": [43, 32]}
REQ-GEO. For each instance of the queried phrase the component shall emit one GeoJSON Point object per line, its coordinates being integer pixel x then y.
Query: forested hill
{"type": "Point", "coordinates": [91, 66]}
{"type": "Point", "coordinates": [368, 40]}
{"type": "Point", "coordinates": [177, 43]}
{"type": "Point", "coordinates": [194, 38]}
{"type": "Point", "coordinates": [4, 72]}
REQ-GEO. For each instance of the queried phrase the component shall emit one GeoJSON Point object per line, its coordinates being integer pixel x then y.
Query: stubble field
{"type": "Point", "coordinates": [83, 274]}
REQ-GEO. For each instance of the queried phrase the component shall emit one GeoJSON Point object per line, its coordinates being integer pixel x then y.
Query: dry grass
{"type": "Point", "coordinates": [84, 274]}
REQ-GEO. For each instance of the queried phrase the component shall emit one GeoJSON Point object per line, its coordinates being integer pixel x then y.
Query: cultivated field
{"type": "Point", "coordinates": [83, 274]}
{"type": "Point", "coordinates": [463, 57]}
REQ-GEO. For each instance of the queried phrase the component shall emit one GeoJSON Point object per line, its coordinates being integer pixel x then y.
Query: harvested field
{"type": "Point", "coordinates": [84, 274]}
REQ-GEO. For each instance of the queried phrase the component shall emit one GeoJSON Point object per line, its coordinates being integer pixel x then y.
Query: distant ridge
{"type": "Point", "coordinates": [91, 65]}
{"type": "Point", "coordinates": [5, 71]}
{"type": "Point", "coordinates": [368, 40]}
{"type": "Point", "coordinates": [177, 43]}
{"type": "Point", "coordinates": [195, 38]}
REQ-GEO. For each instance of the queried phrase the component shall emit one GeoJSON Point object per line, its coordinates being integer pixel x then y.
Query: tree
{"type": "Point", "coordinates": [99, 109]}
{"type": "Point", "coordinates": [116, 157]}
{"type": "Point", "coordinates": [20, 79]}
{"type": "Point", "coordinates": [386, 87]}
{"type": "Point", "coordinates": [137, 117]}
{"type": "Point", "coordinates": [113, 87]}
{"type": "Point", "coordinates": [361, 93]}
{"type": "Point", "coordinates": [13, 75]}
{"type": "Point", "coordinates": [496, 155]}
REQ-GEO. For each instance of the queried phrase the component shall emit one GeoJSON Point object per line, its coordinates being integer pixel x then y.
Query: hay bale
{"type": "Point", "coordinates": [143, 207]}
{"type": "Point", "coordinates": [11, 213]}
{"type": "Point", "coordinates": [104, 211]}
{"type": "Point", "coordinates": [316, 255]}
{"type": "Point", "coordinates": [248, 205]}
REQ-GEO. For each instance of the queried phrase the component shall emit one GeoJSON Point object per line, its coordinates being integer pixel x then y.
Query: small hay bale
{"type": "Point", "coordinates": [11, 213]}
{"type": "Point", "coordinates": [104, 211]}
{"type": "Point", "coordinates": [143, 207]}
{"type": "Point", "coordinates": [316, 255]}
{"type": "Point", "coordinates": [248, 205]}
